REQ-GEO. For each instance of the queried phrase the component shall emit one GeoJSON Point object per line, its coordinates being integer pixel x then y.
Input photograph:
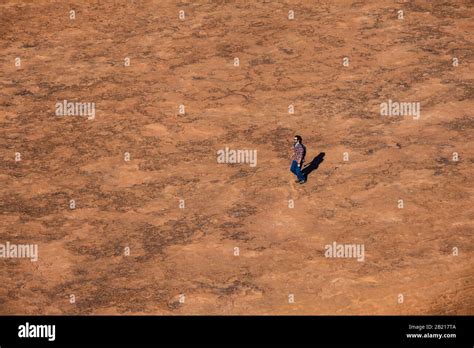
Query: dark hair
{"type": "Point", "coordinates": [300, 139]}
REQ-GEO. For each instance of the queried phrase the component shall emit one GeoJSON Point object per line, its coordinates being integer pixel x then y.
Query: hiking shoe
{"type": "Point", "coordinates": [302, 181]}
{"type": "Point", "coordinates": [297, 181]}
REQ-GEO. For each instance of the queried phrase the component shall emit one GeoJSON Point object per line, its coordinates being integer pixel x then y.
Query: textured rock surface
{"type": "Point", "coordinates": [190, 251]}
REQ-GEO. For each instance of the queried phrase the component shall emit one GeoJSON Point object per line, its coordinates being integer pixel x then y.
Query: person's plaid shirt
{"type": "Point", "coordinates": [298, 154]}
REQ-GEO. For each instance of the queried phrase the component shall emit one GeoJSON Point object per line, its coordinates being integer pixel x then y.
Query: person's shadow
{"type": "Point", "coordinates": [314, 164]}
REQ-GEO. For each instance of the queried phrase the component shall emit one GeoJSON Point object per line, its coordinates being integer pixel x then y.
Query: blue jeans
{"type": "Point", "coordinates": [297, 171]}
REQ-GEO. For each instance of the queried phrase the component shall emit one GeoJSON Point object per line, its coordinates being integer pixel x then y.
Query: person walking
{"type": "Point", "coordinates": [298, 159]}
